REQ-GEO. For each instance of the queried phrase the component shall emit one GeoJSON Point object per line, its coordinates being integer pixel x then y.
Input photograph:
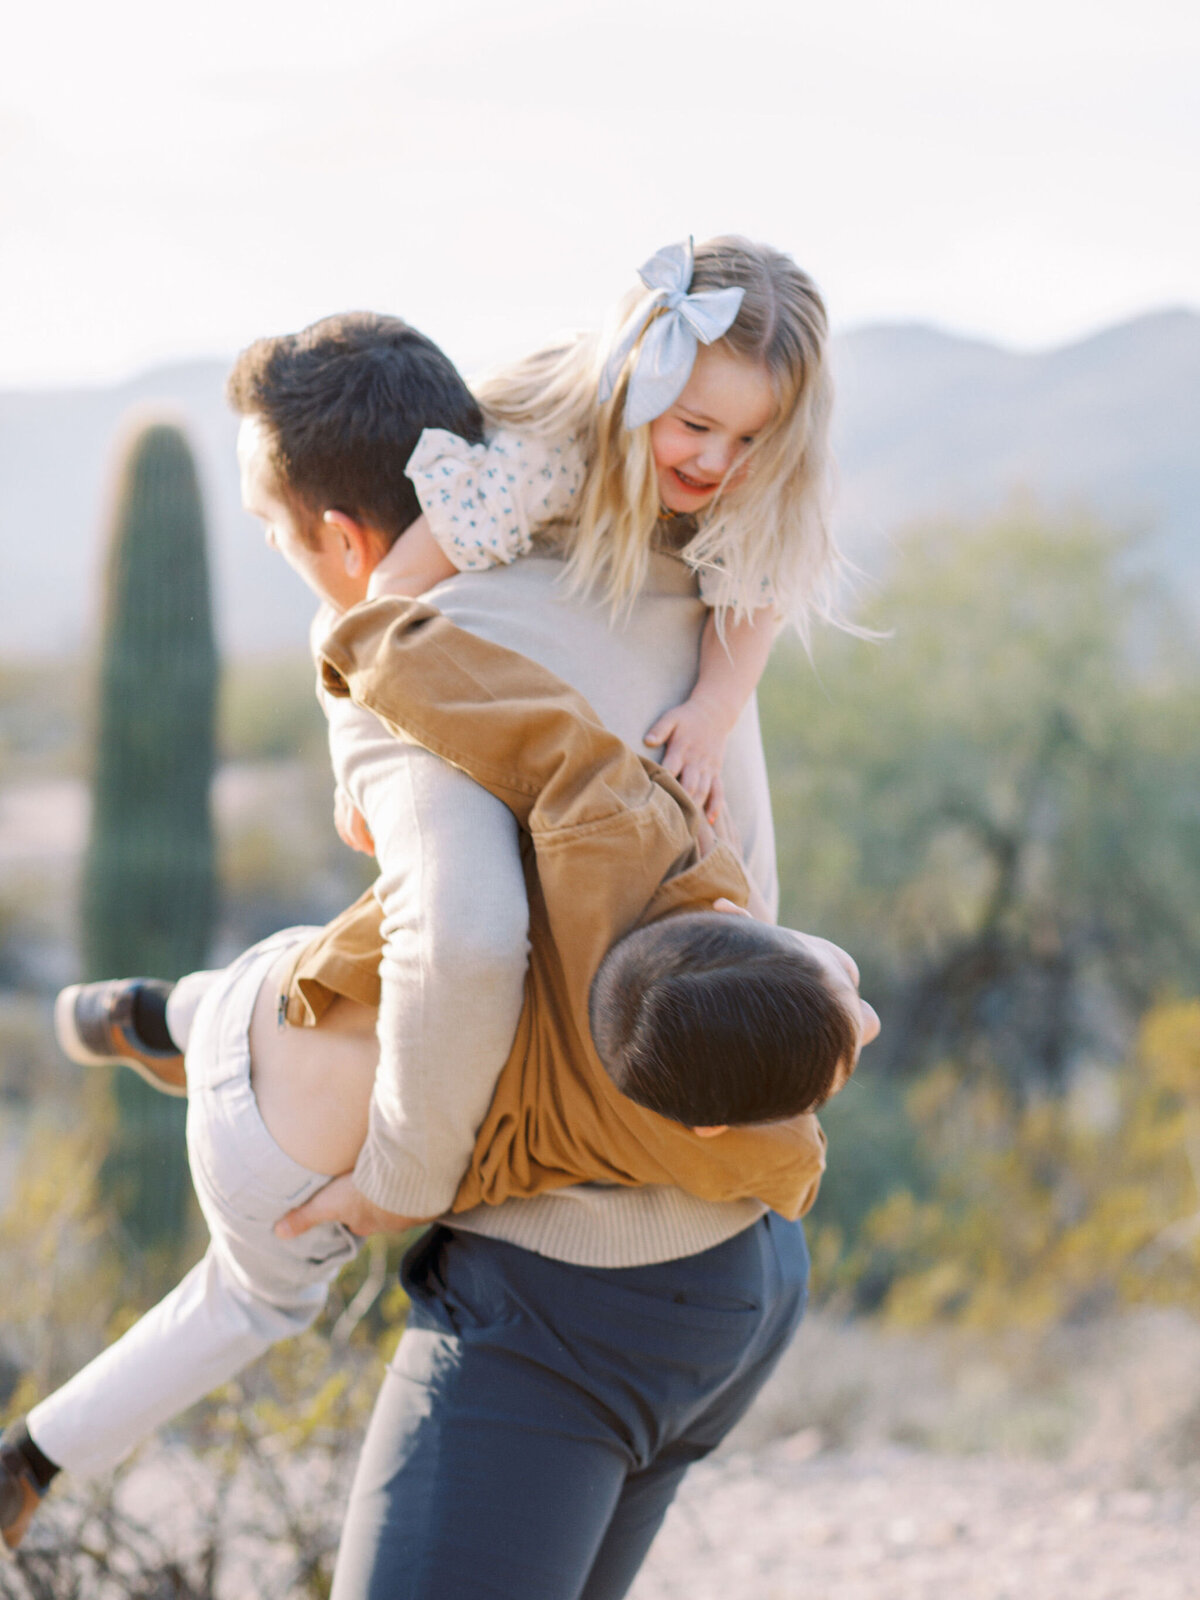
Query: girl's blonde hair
{"type": "Point", "coordinates": [772, 525]}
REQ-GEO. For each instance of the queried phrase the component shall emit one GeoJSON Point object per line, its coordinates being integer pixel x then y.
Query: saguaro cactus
{"type": "Point", "coordinates": [149, 881]}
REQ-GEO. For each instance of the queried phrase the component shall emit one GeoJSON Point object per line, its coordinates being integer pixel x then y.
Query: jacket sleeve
{"type": "Point", "coordinates": [508, 723]}
{"type": "Point", "coordinates": [586, 800]}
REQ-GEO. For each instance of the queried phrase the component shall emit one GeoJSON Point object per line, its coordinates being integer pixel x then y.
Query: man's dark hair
{"type": "Point", "coordinates": [344, 403]}
{"type": "Point", "coordinates": [709, 1019]}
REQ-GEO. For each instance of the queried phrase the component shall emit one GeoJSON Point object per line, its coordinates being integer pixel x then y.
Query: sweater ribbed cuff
{"type": "Point", "coordinates": [382, 1174]}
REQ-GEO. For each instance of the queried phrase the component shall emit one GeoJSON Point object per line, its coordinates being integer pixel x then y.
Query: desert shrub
{"type": "Point", "coordinates": [1050, 1210]}
{"type": "Point", "coordinates": [244, 1493]}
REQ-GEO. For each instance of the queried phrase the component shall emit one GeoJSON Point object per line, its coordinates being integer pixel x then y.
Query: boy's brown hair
{"type": "Point", "coordinates": [344, 403]}
{"type": "Point", "coordinates": [711, 1019]}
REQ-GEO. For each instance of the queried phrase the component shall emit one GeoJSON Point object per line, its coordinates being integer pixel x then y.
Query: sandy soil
{"type": "Point", "coordinates": [889, 1524]}
{"type": "Point", "coordinates": [1065, 1467]}
{"type": "Point", "coordinates": [779, 1522]}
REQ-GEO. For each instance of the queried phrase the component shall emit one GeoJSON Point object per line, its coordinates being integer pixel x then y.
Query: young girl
{"type": "Point", "coordinates": [699, 428]}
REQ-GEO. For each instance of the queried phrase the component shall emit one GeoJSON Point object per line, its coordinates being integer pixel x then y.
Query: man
{"type": "Point", "coordinates": [568, 1355]}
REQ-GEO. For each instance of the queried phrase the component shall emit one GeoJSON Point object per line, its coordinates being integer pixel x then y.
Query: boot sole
{"type": "Point", "coordinates": [73, 1047]}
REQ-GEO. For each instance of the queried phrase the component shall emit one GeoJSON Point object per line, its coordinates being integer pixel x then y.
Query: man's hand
{"type": "Point", "coordinates": [341, 1201]}
{"type": "Point", "coordinates": [351, 825]}
{"type": "Point", "coordinates": [755, 906]}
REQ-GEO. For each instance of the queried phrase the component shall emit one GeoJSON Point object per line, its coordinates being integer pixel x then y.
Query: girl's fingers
{"type": "Point", "coordinates": [677, 759]}
{"type": "Point", "coordinates": [694, 780]}
{"type": "Point", "coordinates": [697, 779]}
{"type": "Point", "coordinates": [716, 799]}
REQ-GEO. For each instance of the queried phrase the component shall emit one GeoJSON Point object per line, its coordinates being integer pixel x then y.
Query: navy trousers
{"type": "Point", "coordinates": [538, 1417]}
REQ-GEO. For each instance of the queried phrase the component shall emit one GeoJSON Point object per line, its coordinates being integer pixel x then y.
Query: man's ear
{"type": "Point", "coordinates": [711, 1133]}
{"type": "Point", "coordinates": [362, 547]}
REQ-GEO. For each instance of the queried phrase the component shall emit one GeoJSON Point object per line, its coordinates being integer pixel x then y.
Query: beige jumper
{"type": "Point", "coordinates": [609, 843]}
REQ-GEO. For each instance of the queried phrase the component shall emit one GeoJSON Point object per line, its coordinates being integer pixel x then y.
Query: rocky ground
{"type": "Point", "coordinates": [781, 1522]}
{"type": "Point", "coordinates": [876, 1466]}
{"type": "Point", "coordinates": [888, 1524]}
{"type": "Point", "coordinates": [1061, 1467]}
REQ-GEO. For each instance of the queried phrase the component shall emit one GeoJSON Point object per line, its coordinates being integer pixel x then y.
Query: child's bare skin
{"type": "Point", "coordinates": [313, 1086]}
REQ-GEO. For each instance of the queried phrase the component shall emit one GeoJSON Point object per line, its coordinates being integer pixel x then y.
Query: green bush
{"type": "Point", "coordinates": [1047, 1211]}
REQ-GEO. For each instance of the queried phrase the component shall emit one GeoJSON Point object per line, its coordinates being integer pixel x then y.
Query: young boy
{"type": "Point", "coordinates": [696, 1017]}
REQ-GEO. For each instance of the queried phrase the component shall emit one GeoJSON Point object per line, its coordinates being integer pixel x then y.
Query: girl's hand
{"type": "Point", "coordinates": [695, 752]}
{"type": "Point", "coordinates": [351, 825]}
{"type": "Point", "coordinates": [415, 563]}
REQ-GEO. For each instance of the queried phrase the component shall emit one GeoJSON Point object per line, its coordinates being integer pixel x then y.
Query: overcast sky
{"type": "Point", "coordinates": [173, 183]}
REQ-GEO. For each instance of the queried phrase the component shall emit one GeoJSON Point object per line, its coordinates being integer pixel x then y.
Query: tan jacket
{"type": "Point", "coordinates": [609, 843]}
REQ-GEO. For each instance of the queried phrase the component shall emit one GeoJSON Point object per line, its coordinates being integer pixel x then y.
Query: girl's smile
{"type": "Point", "coordinates": [693, 484]}
{"type": "Point", "coordinates": [727, 402]}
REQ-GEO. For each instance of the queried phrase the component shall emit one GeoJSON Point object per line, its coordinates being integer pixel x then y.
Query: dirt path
{"type": "Point", "coordinates": [898, 1525]}
{"type": "Point", "coordinates": [775, 1523]}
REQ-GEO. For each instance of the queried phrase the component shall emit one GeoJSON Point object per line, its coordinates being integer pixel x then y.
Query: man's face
{"type": "Point", "coordinates": [311, 547]}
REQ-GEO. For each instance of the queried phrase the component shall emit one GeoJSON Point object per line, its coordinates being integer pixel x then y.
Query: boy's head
{"type": "Point", "coordinates": [331, 416]}
{"type": "Point", "coordinates": [716, 1020]}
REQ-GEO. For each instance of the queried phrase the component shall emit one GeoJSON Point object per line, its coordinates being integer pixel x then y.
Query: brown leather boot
{"type": "Point", "coordinates": [20, 1495]}
{"type": "Point", "coordinates": [93, 1023]}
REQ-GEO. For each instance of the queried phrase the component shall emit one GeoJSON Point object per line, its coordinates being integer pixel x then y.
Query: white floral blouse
{"type": "Point", "coordinates": [484, 502]}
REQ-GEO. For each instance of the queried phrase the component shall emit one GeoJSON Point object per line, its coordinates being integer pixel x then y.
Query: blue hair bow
{"type": "Point", "coordinates": [668, 353]}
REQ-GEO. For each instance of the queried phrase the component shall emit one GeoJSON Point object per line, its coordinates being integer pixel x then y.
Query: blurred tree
{"type": "Point", "coordinates": [1058, 1209]}
{"type": "Point", "coordinates": [997, 807]}
{"type": "Point", "coordinates": [149, 881]}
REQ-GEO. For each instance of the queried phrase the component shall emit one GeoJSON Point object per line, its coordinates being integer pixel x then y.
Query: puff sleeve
{"type": "Point", "coordinates": [483, 502]}
{"type": "Point", "coordinates": [719, 587]}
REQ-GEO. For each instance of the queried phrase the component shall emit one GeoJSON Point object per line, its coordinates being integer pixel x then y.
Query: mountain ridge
{"type": "Point", "coordinates": [927, 423]}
